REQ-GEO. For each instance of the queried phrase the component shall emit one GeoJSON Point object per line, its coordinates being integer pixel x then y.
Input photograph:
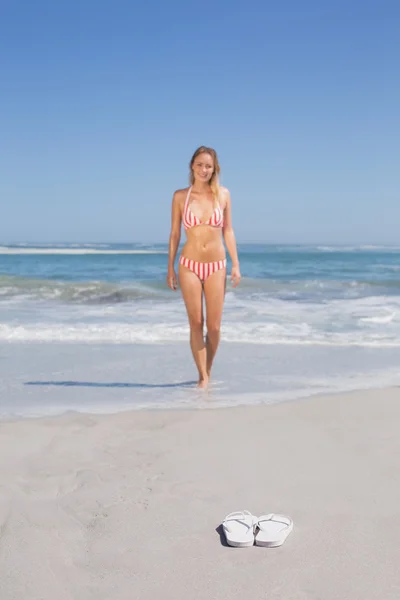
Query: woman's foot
{"type": "Point", "coordinates": [203, 382]}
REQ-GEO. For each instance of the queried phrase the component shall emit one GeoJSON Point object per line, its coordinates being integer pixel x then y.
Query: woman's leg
{"type": "Point", "coordinates": [214, 291]}
{"type": "Point", "coordinates": [192, 292]}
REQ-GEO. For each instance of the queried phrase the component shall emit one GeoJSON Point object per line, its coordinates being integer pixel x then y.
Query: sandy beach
{"type": "Point", "coordinates": [128, 506]}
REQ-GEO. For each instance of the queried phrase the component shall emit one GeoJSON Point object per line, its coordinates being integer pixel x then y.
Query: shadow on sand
{"type": "Point", "coordinates": [222, 537]}
{"type": "Point", "coordinates": [112, 384]}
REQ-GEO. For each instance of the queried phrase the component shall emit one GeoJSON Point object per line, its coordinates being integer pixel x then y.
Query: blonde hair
{"type": "Point", "coordinates": [214, 181]}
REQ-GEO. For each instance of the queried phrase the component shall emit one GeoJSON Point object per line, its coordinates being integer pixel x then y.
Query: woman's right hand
{"type": "Point", "coordinates": [172, 281]}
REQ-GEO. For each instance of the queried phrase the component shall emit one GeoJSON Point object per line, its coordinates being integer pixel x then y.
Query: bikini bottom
{"type": "Point", "coordinates": [201, 269]}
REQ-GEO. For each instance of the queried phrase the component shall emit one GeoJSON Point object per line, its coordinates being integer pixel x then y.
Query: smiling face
{"type": "Point", "coordinates": [203, 167]}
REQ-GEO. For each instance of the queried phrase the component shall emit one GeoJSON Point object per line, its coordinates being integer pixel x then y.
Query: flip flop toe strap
{"type": "Point", "coordinates": [241, 517]}
{"type": "Point", "coordinates": [273, 517]}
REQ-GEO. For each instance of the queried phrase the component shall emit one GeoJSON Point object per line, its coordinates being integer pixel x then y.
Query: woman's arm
{"type": "Point", "coordinates": [230, 240]}
{"type": "Point", "coordinates": [174, 239]}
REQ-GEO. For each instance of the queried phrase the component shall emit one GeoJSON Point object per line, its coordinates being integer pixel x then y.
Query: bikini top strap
{"type": "Point", "coordinates": [217, 202]}
{"type": "Point", "coordinates": [187, 199]}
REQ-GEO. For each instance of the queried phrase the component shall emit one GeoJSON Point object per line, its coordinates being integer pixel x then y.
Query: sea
{"type": "Point", "coordinates": [94, 328]}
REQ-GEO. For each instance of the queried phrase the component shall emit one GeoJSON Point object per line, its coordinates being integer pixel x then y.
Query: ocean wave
{"type": "Point", "coordinates": [386, 267]}
{"type": "Point", "coordinates": [91, 292]}
{"type": "Point", "coordinates": [263, 334]}
{"type": "Point", "coordinates": [93, 312]}
{"type": "Point", "coordinates": [251, 289]}
{"type": "Point", "coordinates": [360, 248]}
{"type": "Point", "coordinates": [382, 319]}
{"type": "Point", "coordinates": [55, 245]}
{"type": "Point", "coordinates": [78, 251]}
{"type": "Point", "coordinates": [308, 287]}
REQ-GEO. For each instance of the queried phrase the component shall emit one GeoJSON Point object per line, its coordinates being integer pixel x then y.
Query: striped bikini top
{"type": "Point", "coordinates": [190, 220]}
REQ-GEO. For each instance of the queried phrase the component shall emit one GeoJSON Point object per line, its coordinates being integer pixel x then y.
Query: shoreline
{"type": "Point", "coordinates": [129, 412]}
{"type": "Point", "coordinates": [45, 379]}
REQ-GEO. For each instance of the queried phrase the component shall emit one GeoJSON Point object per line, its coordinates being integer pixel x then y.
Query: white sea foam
{"type": "Point", "coordinates": [368, 321]}
{"type": "Point", "coordinates": [387, 267]}
{"type": "Point", "coordinates": [52, 250]}
{"type": "Point", "coordinates": [271, 334]}
{"type": "Point", "coordinates": [361, 248]}
{"type": "Point", "coordinates": [383, 319]}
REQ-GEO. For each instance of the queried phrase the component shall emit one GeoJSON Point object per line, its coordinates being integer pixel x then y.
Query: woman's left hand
{"type": "Point", "coordinates": [235, 276]}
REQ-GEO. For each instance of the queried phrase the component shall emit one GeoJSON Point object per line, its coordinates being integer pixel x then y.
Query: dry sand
{"type": "Point", "coordinates": [127, 506]}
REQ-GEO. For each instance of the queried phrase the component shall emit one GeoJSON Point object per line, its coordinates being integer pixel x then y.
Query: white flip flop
{"type": "Point", "coordinates": [272, 530]}
{"type": "Point", "coordinates": [239, 529]}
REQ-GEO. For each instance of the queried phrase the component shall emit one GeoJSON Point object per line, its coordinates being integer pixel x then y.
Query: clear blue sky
{"type": "Point", "coordinates": [102, 104]}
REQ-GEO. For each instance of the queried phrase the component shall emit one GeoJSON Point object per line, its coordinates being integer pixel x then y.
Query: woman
{"type": "Point", "coordinates": [205, 211]}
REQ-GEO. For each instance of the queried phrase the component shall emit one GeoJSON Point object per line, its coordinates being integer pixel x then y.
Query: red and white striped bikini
{"type": "Point", "coordinates": [201, 269]}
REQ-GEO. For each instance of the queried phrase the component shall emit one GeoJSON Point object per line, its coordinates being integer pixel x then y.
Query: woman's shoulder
{"type": "Point", "coordinates": [224, 195]}
{"type": "Point", "coordinates": [180, 195]}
